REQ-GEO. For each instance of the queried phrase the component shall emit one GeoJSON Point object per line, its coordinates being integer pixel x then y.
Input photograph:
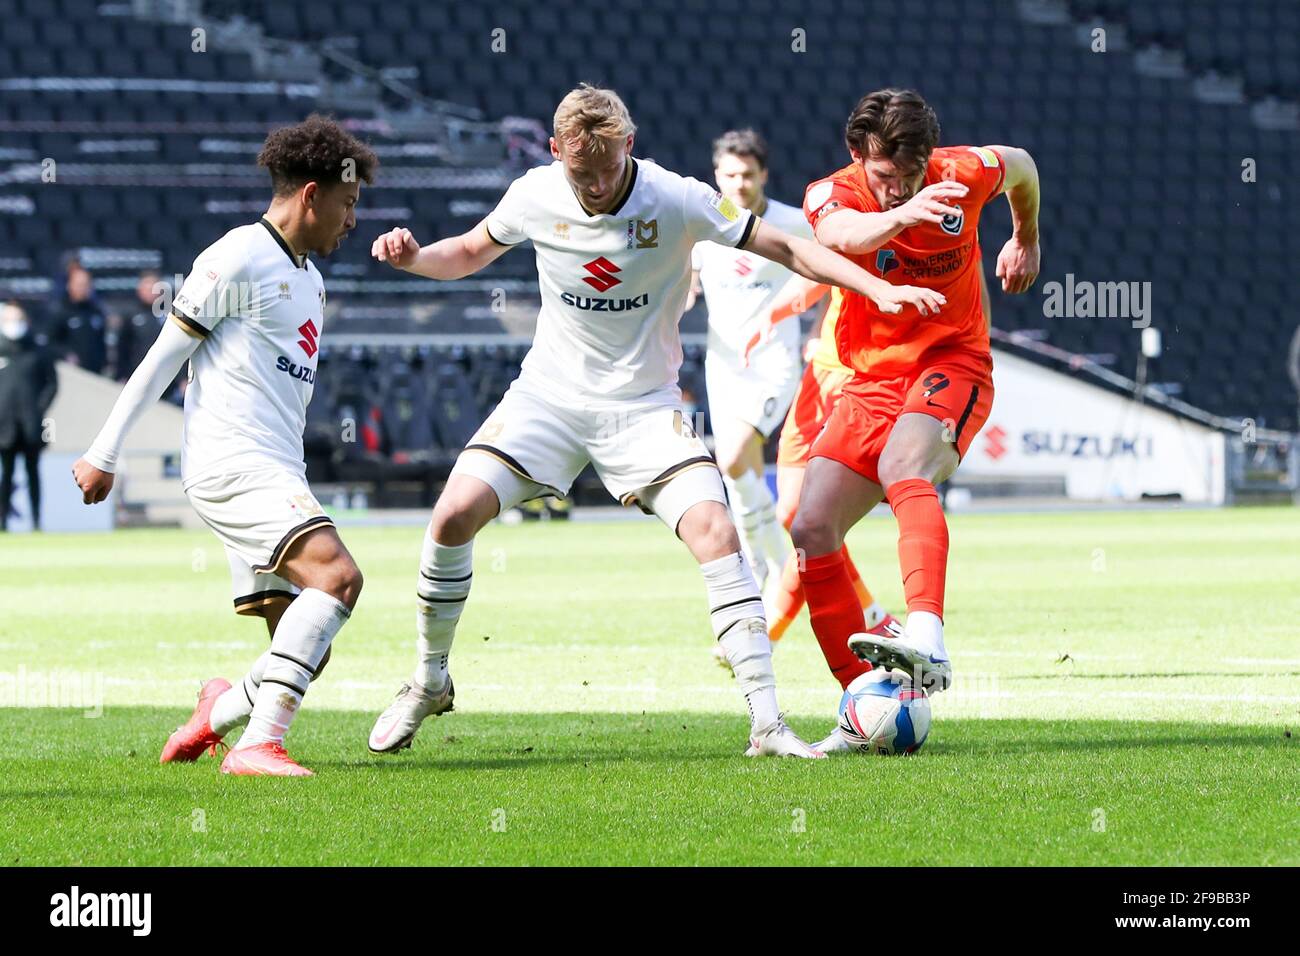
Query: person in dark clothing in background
{"type": "Point", "coordinates": [138, 330]}
{"type": "Point", "coordinates": [141, 327]}
{"type": "Point", "coordinates": [28, 383]}
{"type": "Point", "coordinates": [79, 323]}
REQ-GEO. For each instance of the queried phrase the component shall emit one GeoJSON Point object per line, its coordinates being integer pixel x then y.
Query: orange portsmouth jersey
{"type": "Point", "coordinates": [942, 256]}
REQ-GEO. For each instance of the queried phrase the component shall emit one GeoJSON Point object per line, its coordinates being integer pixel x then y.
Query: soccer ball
{"type": "Point", "coordinates": [883, 712]}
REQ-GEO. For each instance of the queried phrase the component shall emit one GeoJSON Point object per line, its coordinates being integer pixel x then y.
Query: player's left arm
{"type": "Point", "coordinates": [93, 471]}
{"type": "Point", "coordinates": [1018, 262]}
{"type": "Point", "coordinates": [814, 261]}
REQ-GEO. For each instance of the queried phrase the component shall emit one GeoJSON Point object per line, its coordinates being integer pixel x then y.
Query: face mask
{"type": "Point", "coordinates": [13, 330]}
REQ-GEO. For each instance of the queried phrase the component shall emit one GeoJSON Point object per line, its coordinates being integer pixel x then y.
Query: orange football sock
{"type": "Point", "coordinates": [922, 543]}
{"type": "Point", "coordinates": [865, 597]}
{"type": "Point", "coordinates": [835, 612]}
{"type": "Point", "coordinates": [788, 601]}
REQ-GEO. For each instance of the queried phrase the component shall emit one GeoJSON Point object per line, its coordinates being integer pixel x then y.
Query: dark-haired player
{"type": "Point", "coordinates": [249, 320]}
{"type": "Point", "coordinates": [908, 211]}
{"type": "Point", "coordinates": [748, 394]}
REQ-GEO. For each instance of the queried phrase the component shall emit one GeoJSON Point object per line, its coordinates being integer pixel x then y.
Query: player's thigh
{"type": "Point", "coordinates": [264, 595]}
{"type": "Point", "coordinates": [319, 559]}
{"type": "Point", "coordinates": [919, 446]}
{"type": "Point", "coordinates": [693, 505]}
{"type": "Point", "coordinates": [638, 445]}
{"type": "Point", "coordinates": [944, 409]}
{"type": "Point", "coordinates": [260, 516]}
{"type": "Point", "coordinates": [832, 499]}
{"type": "Point", "coordinates": [475, 493]}
{"type": "Point", "coordinates": [707, 531]}
{"type": "Point", "coordinates": [841, 482]}
{"type": "Point", "coordinates": [745, 408]}
{"type": "Point", "coordinates": [529, 447]}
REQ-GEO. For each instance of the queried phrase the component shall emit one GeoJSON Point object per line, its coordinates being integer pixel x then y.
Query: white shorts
{"type": "Point", "coordinates": [749, 395]}
{"type": "Point", "coordinates": [257, 515]}
{"type": "Point", "coordinates": [534, 445]}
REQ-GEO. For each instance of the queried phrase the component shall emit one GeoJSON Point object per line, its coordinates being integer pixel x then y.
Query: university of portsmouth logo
{"type": "Point", "coordinates": [309, 337]}
{"type": "Point", "coordinates": [885, 261]}
{"type": "Point", "coordinates": [602, 277]}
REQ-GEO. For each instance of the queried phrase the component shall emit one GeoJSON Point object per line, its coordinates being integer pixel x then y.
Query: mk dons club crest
{"type": "Point", "coordinates": [646, 233]}
{"type": "Point", "coordinates": [306, 505]}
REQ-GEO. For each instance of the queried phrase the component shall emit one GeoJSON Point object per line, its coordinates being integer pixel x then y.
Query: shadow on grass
{"type": "Point", "coordinates": [336, 740]}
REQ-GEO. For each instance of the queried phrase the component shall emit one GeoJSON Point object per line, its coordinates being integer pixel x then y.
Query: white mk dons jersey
{"type": "Point", "coordinates": [614, 285]}
{"type": "Point", "coordinates": [739, 288]}
{"type": "Point", "coordinates": [259, 310]}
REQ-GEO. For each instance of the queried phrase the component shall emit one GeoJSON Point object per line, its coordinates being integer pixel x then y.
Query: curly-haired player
{"type": "Point", "coordinates": [249, 320]}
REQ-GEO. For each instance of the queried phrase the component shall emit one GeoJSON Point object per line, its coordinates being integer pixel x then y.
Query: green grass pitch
{"type": "Point", "coordinates": [1125, 694]}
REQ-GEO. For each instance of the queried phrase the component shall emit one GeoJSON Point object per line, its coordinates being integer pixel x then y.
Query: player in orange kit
{"type": "Point", "coordinates": [819, 389]}
{"type": "Point", "coordinates": [908, 211]}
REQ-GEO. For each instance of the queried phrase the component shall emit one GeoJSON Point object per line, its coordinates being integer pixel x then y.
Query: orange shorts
{"type": "Point", "coordinates": [818, 391]}
{"type": "Point", "coordinates": [956, 387]}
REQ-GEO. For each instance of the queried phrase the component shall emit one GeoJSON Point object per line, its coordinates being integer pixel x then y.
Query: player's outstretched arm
{"type": "Point", "coordinates": [796, 297]}
{"type": "Point", "coordinates": [854, 232]}
{"type": "Point", "coordinates": [451, 258]}
{"type": "Point", "coordinates": [816, 262]}
{"type": "Point", "coordinates": [93, 472]}
{"type": "Point", "coordinates": [1019, 260]}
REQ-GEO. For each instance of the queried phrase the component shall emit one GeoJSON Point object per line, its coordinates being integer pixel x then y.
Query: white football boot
{"type": "Point", "coordinates": [898, 650]}
{"type": "Point", "coordinates": [396, 726]}
{"type": "Point", "coordinates": [834, 743]}
{"type": "Point", "coordinates": [778, 740]}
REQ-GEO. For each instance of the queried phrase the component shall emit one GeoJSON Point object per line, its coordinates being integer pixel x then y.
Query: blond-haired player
{"type": "Point", "coordinates": [613, 238]}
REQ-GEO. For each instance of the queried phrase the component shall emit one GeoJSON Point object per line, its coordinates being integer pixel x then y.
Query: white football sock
{"type": "Point", "coordinates": [445, 575]}
{"type": "Point", "coordinates": [234, 707]}
{"type": "Point", "coordinates": [301, 639]}
{"type": "Point", "coordinates": [744, 497]}
{"type": "Point", "coordinates": [924, 629]}
{"type": "Point", "coordinates": [736, 612]}
{"type": "Point", "coordinates": [772, 541]}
